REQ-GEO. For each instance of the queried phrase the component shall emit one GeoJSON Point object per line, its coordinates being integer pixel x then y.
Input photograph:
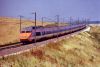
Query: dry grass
{"type": "Point", "coordinates": [9, 29]}
{"type": "Point", "coordinates": [82, 50]}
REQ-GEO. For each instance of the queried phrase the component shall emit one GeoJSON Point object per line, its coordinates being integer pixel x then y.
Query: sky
{"type": "Point", "coordinates": [50, 8]}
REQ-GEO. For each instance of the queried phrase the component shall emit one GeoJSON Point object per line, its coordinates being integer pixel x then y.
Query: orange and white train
{"type": "Point", "coordinates": [32, 33]}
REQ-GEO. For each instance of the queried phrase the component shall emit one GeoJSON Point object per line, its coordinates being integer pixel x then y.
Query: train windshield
{"type": "Point", "coordinates": [25, 31]}
{"type": "Point", "coordinates": [22, 31]}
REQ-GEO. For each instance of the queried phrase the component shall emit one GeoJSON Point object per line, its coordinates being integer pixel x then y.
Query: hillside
{"type": "Point", "coordinates": [82, 50]}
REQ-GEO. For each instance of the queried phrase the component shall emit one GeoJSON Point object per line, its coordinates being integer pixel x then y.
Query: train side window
{"type": "Point", "coordinates": [38, 33]}
{"type": "Point", "coordinates": [43, 33]}
{"type": "Point", "coordinates": [48, 32]}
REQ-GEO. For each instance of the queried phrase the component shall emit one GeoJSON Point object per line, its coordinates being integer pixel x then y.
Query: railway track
{"type": "Point", "coordinates": [10, 46]}
{"type": "Point", "coordinates": [18, 47]}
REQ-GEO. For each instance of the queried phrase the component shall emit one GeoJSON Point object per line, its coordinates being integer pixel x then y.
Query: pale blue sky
{"type": "Point", "coordinates": [50, 8]}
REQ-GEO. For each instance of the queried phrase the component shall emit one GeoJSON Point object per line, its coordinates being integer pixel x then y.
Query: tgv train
{"type": "Point", "coordinates": [30, 34]}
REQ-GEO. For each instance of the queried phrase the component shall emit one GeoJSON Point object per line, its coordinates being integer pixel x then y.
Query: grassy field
{"type": "Point", "coordinates": [82, 50]}
{"type": "Point", "coordinates": [9, 29]}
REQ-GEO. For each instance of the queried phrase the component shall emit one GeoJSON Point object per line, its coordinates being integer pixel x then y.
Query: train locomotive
{"type": "Point", "coordinates": [32, 33]}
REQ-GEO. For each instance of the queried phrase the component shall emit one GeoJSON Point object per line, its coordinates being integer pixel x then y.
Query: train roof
{"type": "Point", "coordinates": [30, 28]}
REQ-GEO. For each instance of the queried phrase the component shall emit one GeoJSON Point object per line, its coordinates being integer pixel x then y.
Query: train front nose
{"type": "Point", "coordinates": [24, 36]}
